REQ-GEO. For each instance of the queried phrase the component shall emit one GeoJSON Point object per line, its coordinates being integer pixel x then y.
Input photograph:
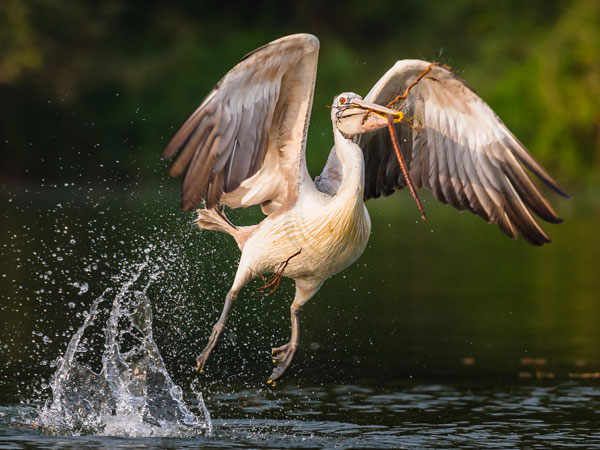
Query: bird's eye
{"type": "Point", "coordinates": [342, 100]}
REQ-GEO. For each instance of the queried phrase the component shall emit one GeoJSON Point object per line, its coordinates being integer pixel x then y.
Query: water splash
{"type": "Point", "coordinates": [133, 393]}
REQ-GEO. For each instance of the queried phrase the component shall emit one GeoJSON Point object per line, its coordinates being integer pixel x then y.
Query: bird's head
{"type": "Point", "coordinates": [352, 115]}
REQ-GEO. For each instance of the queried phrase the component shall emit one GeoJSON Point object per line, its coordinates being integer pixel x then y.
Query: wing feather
{"type": "Point", "coordinates": [464, 154]}
{"type": "Point", "coordinates": [224, 145]}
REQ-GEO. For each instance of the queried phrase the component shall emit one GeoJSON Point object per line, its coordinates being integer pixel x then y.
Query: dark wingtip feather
{"type": "Point", "coordinates": [538, 241]}
{"type": "Point", "coordinates": [188, 205]}
{"type": "Point", "coordinates": [556, 188]}
{"type": "Point", "coordinates": [172, 147]}
{"type": "Point", "coordinates": [554, 220]}
{"type": "Point", "coordinates": [191, 196]}
{"type": "Point", "coordinates": [530, 194]}
{"type": "Point", "coordinates": [529, 161]}
{"type": "Point", "coordinates": [507, 229]}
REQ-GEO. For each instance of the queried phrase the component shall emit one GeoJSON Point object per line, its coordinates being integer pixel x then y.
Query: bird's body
{"type": "Point", "coordinates": [325, 233]}
{"type": "Point", "coordinates": [245, 145]}
{"type": "Point", "coordinates": [325, 239]}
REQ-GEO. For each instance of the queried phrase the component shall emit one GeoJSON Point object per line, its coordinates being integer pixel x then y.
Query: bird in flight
{"type": "Point", "coordinates": [246, 145]}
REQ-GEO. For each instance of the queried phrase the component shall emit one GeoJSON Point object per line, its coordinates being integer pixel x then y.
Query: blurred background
{"type": "Point", "coordinates": [91, 92]}
{"type": "Point", "coordinates": [114, 78]}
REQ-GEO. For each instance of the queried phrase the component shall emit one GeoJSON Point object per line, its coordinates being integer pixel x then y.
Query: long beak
{"type": "Point", "coordinates": [377, 109]}
{"type": "Point", "coordinates": [368, 117]}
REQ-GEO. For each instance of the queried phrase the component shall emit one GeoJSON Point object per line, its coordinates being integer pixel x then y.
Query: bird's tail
{"type": "Point", "coordinates": [213, 219]}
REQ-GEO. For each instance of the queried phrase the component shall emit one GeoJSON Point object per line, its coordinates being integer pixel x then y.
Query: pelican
{"type": "Point", "coordinates": [246, 145]}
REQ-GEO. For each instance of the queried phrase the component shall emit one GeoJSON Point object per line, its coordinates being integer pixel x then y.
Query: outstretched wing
{"type": "Point", "coordinates": [458, 148]}
{"type": "Point", "coordinates": [245, 143]}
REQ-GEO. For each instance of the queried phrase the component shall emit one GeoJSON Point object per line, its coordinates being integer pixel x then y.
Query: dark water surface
{"type": "Point", "coordinates": [443, 334]}
{"type": "Point", "coordinates": [411, 415]}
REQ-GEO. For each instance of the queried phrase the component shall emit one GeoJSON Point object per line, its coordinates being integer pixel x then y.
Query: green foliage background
{"type": "Point", "coordinates": [114, 79]}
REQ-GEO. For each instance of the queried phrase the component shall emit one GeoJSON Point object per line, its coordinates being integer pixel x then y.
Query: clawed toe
{"type": "Point", "coordinates": [282, 358]}
{"type": "Point", "coordinates": [277, 350]}
{"type": "Point", "coordinates": [201, 361]}
{"type": "Point", "coordinates": [279, 353]}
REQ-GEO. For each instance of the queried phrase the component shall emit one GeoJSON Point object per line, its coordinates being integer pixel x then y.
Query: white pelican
{"type": "Point", "coordinates": [245, 145]}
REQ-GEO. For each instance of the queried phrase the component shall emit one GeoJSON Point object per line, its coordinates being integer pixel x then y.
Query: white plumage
{"type": "Point", "coordinates": [245, 145]}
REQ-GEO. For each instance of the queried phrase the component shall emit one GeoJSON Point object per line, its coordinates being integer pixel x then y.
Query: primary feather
{"type": "Point", "coordinates": [457, 147]}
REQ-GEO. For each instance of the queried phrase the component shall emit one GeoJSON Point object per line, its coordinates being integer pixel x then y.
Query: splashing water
{"type": "Point", "coordinates": [132, 394]}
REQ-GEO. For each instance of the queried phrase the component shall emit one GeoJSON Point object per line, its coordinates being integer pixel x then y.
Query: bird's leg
{"type": "Point", "coordinates": [216, 331]}
{"type": "Point", "coordinates": [283, 356]}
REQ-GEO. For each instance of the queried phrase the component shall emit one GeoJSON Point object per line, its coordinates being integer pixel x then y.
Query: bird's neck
{"type": "Point", "coordinates": [353, 166]}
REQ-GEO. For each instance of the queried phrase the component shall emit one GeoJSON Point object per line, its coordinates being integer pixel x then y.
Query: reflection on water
{"type": "Point", "coordinates": [422, 416]}
{"type": "Point", "coordinates": [468, 415]}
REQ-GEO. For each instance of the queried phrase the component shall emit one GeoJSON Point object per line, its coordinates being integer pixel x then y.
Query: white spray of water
{"type": "Point", "coordinates": [133, 394]}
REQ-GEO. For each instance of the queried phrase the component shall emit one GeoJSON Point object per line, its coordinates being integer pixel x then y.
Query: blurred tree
{"type": "Point", "coordinates": [111, 80]}
{"type": "Point", "coordinates": [18, 41]}
{"type": "Point", "coordinates": [569, 89]}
